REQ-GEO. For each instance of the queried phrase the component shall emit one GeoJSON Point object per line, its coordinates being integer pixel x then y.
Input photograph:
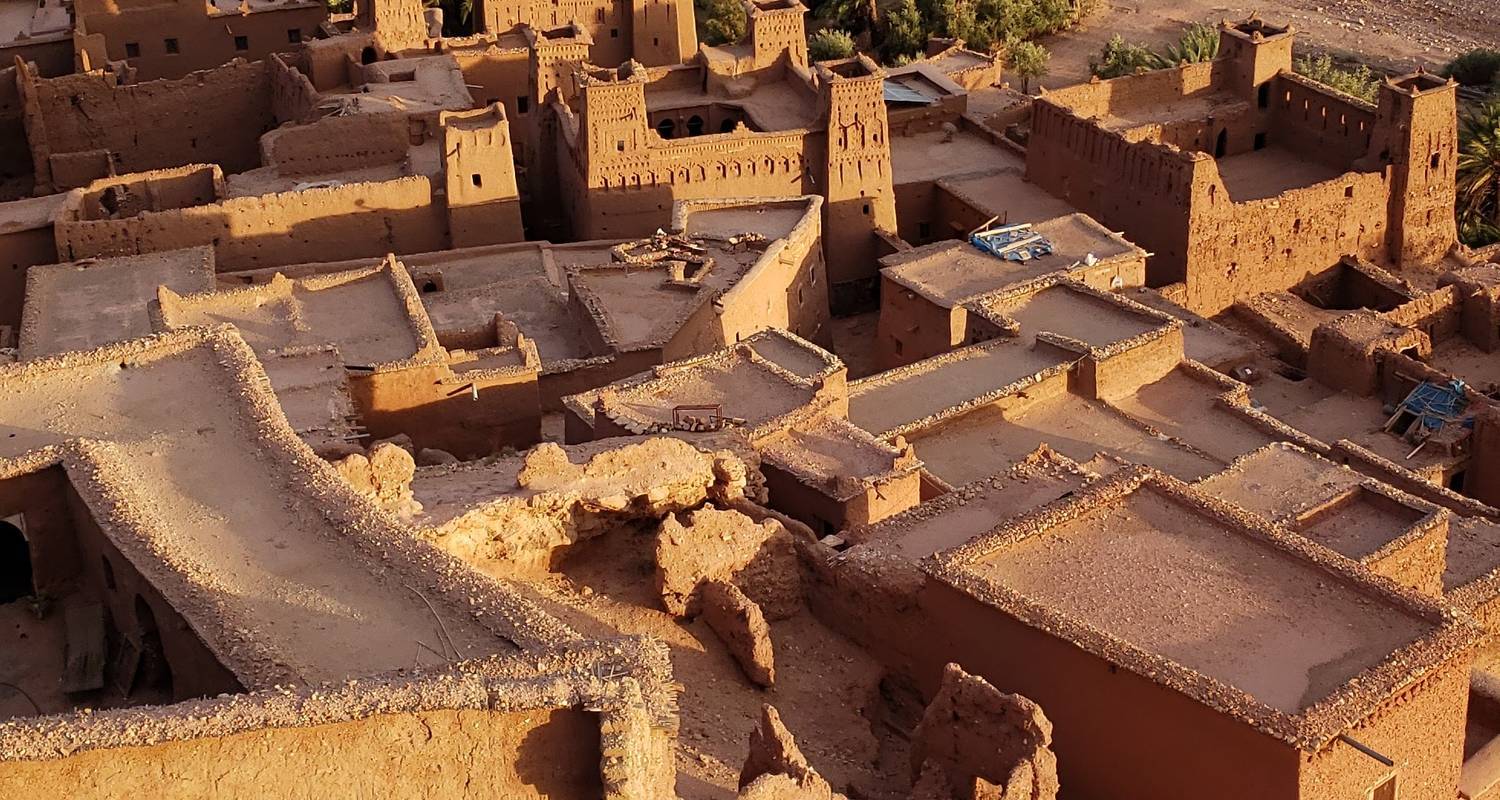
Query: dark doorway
{"type": "Point", "coordinates": [368, 56]}
{"type": "Point", "coordinates": [155, 672]}
{"type": "Point", "coordinates": [15, 564]}
{"type": "Point", "coordinates": [666, 128]}
{"type": "Point", "coordinates": [695, 125]}
{"type": "Point", "coordinates": [1222, 145]}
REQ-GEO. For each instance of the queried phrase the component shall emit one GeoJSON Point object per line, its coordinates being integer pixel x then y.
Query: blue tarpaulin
{"type": "Point", "coordinates": [1435, 404]}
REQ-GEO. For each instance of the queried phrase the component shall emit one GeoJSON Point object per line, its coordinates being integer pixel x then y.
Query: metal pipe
{"type": "Point", "coordinates": [1366, 749]}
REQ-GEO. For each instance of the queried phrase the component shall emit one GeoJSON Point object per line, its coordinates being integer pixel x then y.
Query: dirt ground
{"type": "Point", "coordinates": [1396, 35]}
{"type": "Point", "coordinates": [827, 688]}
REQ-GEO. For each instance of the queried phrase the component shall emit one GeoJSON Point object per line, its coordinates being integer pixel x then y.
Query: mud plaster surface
{"type": "Point", "coordinates": [1075, 315]}
{"type": "Point", "coordinates": [1150, 572]}
{"type": "Point", "coordinates": [234, 520]}
{"type": "Point", "coordinates": [879, 405]}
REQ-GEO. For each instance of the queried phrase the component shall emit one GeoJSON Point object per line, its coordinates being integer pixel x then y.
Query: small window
{"type": "Point", "coordinates": [620, 145]}
{"type": "Point", "coordinates": [655, 41]}
{"type": "Point", "coordinates": [294, 35]}
{"type": "Point", "coordinates": [614, 33]}
{"type": "Point", "coordinates": [924, 231]}
{"type": "Point", "coordinates": [242, 43]}
{"type": "Point", "coordinates": [1264, 97]}
{"type": "Point", "coordinates": [599, 15]}
{"type": "Point", "coordinates": [132, 50]}
{"type": "Point", "coordinates": [523, 104]}
{"type": "Point", "coordinates": [1348, 191]}
{"type": "Point", "coordinates": [477, 179]}
{"type": "Point", "coordinates": [171, 45]}
{"type": "Point", "coordinates": [1260, 141]}
{"type": "Point", "coordinates": [867, 209]}
{"type": "Point", "coordinates": [1434, 162]}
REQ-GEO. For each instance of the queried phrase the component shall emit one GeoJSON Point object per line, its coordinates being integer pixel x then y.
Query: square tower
{"type": "Point", "coordinates": [484, 206]}
{"type": "Point", "coordinates": [1416, 129]}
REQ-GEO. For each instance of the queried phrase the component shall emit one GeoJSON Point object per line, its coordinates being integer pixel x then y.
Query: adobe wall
{"type": "Point", "coordinates": [322, 224]}
{"type": "Point", "coordinates": [195, 671]}
{"type": "Point", "coordinates": [203, 41]}
{"type": "Point", "coordinates": [1158, 743]}
{"type": "Point", "coordinates": [1483, 481]}
{"type": "Point", "coordinates": [1118, 372]}
{"type": "Point", "coordinates": [1439, 313]}
{"type": "Point", "coordinates": [42, 497]}
{"type": "Point", "coordinates": [922, 328]}
{"type": "Point", "coordinates": [1422, 730]}
{"type": "Point", "coordinates": [214, 117]}
{"type": "Point", "coordinates": [501, 75]}
{"type": "Point", "coordinates": [1318, 123]}
{"type": "Point", "coordinates": [19, 250]}
{"type": "Point", "coordinates": [550, 754]}
{"type": "Point", "coordinates": [53, 56]}
{"type": "Point", "coordinates": [15, 153]}
{"type": "Point", "coordinates": [293, 96]}
{"type": "Point", "coordinates": [1146, 190]}
{"type": "Point", "coordinates": [1125, 95]}
{"type": "Point", "coordinates": [437, 409]}
{"type": "Point", "coordinates": [337, 144]}
{"type": "Point", "coordinates": [631, 194]}
{"type": "Point", "coordinates": [1246, 248]}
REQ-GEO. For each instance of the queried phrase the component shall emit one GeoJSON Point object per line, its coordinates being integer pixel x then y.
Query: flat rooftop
{"type": "Point", "coordinates": [774, 106]}
{"type": "Point", "coordinates": [951, 272]}
{"type": "Point", "coordinates": [829, 448]}
{"type": "Point", "coordinates": [926, 157]}
{"type": "Point", "coordinates": [976, 508]}
{"type": "Point", "coordinates": [749, 380]}
{"type": "Point", "coordinates": [1172, 580]}
{"type": "Point", "coordinates": [1260, 174]}
{"type": "Point", "coordinates": [96, 301]}
{"type": "Point", "coordinates": [362, 312]}
{"type": "Point", "coordinates": [191, 469]}
{"type": "Point", "coordinates": [891, 400]}
{"type": "Point", "coordinates": [30, 213]}
{"type": "Point", "coordinates": [986, 440]}
{"type": "Point", "coordinates": [1076, 314]}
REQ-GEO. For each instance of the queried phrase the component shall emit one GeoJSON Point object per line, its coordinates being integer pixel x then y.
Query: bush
{"type": "Point", "coordinates": [1479, 67]}
{"type": "Point", "coordinates": [1197, 44]}
{"type": "Point", "coordinates": [724, 22]}
{"type": "Point", "coordinates": [827, 45]}
{"type": "Point", "coordinates": [1028, 60]}
{"type": "Point", "coordinates": [1358, 80]}
{"type": "Point", "coordinates": [902, 33]}
{"type": "Point", "coordinates": [1122, 58]}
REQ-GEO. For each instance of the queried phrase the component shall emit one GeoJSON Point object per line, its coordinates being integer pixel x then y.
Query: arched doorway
{"type": "Point", "coordinates": [155, 672]}
{"type": "Point", "coordinates": [727, 125]}
{"type": "Point", "coordinates": [695, 125]}
{"type": "Point", "coordinates": [368, 56]}
{"type": "Point", "coordinates": [666, 128]}
{"type": "Point", "coordinates": [1221, 146]}
{"type": "Point", "coordinates": [15, 564]}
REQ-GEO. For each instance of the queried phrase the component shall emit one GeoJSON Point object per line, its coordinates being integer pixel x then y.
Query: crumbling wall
{"type": "Point", "coordinates": [990, 746]}
{"type": "Point", "coordinates": [323, 224]}
{"type": "Point", "coordinates": [727, 546]}
{"type": "Point", "coordinates": [776, 769]}
{"type": "Point", "coordinates": [293, 96]}
{"type": "Point", "coordinates": [215, 116]}
{"type": "Point", "coordinates": [561, 502]}
{"type": "Point", "coordinates": [741, 625]}
{"type": "Point", "coordinates": [337, 144]}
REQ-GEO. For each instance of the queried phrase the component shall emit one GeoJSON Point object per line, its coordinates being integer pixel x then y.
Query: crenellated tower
{"type": "Point", "coordinates": [857, 178]}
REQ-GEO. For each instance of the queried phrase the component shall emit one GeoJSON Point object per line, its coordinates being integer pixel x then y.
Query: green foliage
{"type": "Point", "coordinates": [1358, 80]}
{"type": "Point", "coordinates": [827, 45]}
{"type": "Point", "coordinates": [1198, 43]}
{"type": "Point", "coordinates": [850, 15]}
{"type": "Point", "coordinates": [1479, 67]}
{"type": "Point", "coordinates": [1478, 196]}
{"type": "Point", "coordinates": [1028, 60]}
{"type": "Point", "coordinates": [902, 33]}
{"type": "Point", "coordinates": [340, 6]}
{"type": "Point", "coordinates": [724, 22]}
{"type": "Point", "coordinates": [1119, 57]}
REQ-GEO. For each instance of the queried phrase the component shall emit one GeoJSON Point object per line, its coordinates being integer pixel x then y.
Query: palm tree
{"type": "Point", "coordinates": [1479, 173]}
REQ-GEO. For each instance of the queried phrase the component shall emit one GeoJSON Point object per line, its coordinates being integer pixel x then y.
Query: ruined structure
{"type": "Point", "coordinates": [535, 412]}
